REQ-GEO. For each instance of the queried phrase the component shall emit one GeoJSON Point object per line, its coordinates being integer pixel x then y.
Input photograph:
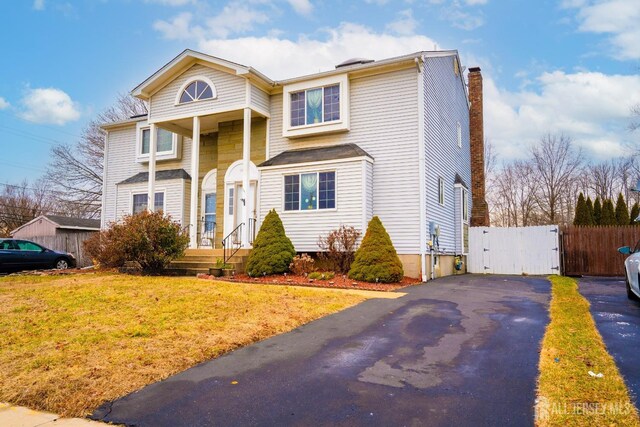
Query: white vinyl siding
{"type": "Point", "coordinates": [384, 123]}
{"type": "Point", "coordinates": [173, 197]}
{"type": "Point", "coordinates": [445, 106]}
{"type": "Point", "coordinates": [121, 158]}
{"type": "Point", "coordinates": [260, 99]}
{"type": "Point", "coordinates": [304, 227]}
{"type": "Point", "coordinates": [230, 90]}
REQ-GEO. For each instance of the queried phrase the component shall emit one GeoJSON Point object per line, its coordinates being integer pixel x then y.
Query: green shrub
{"type": "Point", "coordinates": [317, 275]}
{"type": "Point", "coordinates": [151, 239]}
{"type": "Point", "coordinates": [272, 250]}
{"type": "Point", "coordinates": [376, 260]}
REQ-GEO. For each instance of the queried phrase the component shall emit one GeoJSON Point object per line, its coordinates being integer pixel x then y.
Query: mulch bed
{"type": "Point", "coordinates": [338, 282]}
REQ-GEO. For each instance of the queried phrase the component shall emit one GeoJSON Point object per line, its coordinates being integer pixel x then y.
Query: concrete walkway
{"type": "Point", "coordinates": [18, 416]}
{"type": "Point", "coordinates": [618, 321]}
{"type": "Point", "coordinates": [458, 351]}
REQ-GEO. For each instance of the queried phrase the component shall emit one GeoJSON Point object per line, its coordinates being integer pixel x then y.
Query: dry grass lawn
{"type": "Point", "coordinates": [68, 344]}
{"type": "Point", "coordinates": [572, 346]}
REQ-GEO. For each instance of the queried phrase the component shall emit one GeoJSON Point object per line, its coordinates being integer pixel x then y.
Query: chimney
{"type": "Point", "coordinates": [479, 207]}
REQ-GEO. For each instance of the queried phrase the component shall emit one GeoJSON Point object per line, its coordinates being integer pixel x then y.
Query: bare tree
{"type": "Point", "coordinates": [555, 164]}
{"type": "Point", "coordinates": [21, 203]}
{"type": "Point", "coordinates": [75, 170]}
{"type": "Point", "coordinates": [601, 178]}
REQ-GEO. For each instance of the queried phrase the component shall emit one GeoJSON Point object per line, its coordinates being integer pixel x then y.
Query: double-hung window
{"type": "Point", "coordinates": [140, 202]}
{"type": "Point", "coordinates": [310, 191]}
{"type": "Point", "coordinates": [441, 190]}
{"type": "Point", "coordinates": [164, 141]}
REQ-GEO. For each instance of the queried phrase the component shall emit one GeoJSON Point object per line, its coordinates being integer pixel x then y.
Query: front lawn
{"type": "Point", "coordinates": [68, 344]}
{"type": "Point", "coordinates": [567, 394]}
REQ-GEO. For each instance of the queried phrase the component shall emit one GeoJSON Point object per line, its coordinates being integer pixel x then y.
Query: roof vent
{"type": "Point", "coordinates": [354, 61]}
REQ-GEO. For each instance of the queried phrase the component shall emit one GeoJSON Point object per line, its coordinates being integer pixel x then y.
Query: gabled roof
{"type": "Point", "coordinates": [308, 155]}
{"type": "Point", "coordinates": [184, 61]}
{"type": "Point", "coordinates": [164, 175]}
{"type": "Point", "coordinates": [66, 222]}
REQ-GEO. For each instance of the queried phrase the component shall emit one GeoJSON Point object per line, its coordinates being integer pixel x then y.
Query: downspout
{"type": "Point", "coordinates": [421, 169]}
{"type": "Point", "coordinates": [104, 180]}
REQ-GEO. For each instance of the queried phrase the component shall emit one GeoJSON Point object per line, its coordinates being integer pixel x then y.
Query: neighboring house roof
{"type": "Point", "coordinates": [160, 176]}
{"type": "Point", "coordinates": [65, 222]}
{"type": "Point", "coordinates": [317, 154]}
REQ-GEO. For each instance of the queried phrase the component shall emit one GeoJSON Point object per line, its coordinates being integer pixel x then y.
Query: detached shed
{"type": "Point", "coordinates": [60, 233]}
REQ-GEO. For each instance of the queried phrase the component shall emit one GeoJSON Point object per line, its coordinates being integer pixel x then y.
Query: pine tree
{"type": "Point", "coordinates": [272, 250]}
{"type": "Point", "coordinates": [635, 213]}
{"type": "Point", "coordinates": [590, 211]}
{"type": "Point", "coordinates": [376, 259]}
{"type": "Point", "coordinates": [622, 211]}
{"type": "Point", "coordinates": [597, 212]}
{"type": "Point", "coordinates": [608, 213]}
{"type": "Point", "coordinates": [581, 217]}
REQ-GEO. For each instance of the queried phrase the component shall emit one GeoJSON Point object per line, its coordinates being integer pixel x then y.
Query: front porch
{"type": "Point", "coordinates": [223, 151]}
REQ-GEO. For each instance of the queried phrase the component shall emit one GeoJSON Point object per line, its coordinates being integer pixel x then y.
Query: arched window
{"type": "Point", "coordinates": [197, 90]}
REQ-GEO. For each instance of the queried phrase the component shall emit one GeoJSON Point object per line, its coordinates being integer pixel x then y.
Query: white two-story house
{"type": "Point", "coordinates": [223, 144]}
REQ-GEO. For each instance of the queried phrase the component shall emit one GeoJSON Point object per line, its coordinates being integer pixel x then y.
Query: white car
{"type": "Point", "coordinates": [632, 270]}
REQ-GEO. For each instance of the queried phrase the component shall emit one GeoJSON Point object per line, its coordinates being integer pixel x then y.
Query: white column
{"type": "Point", "coordinates": [246, 184]}
{"type": "Point", "coordinates": [195, 166]}
{"type": "Point", "coordinates": [151, 190]}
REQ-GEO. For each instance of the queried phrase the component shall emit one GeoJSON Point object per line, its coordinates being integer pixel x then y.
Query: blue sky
{"type": "Point", "coordinates": [569, 66]}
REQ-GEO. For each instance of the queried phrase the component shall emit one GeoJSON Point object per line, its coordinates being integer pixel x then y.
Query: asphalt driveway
{"type": "Point", "coordinates": [618, 320]}
{"type": "Point", "coordinates": [460, 351]}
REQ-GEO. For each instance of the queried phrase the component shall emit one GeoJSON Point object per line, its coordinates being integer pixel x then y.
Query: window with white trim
{"type": "Point", "coordinates": [316, 106]}
{"type": "Point", "coordinates": [168, 144]}
{"type": "Point", "coordinates": [465, 205]}
{"type": "Point", "coordinates": [197, 90]}
{"type": "Point", "coordinates": [139, 202]}
{"type": "Point", "coordinates": [441, 191]}
{"type": "Point", "coordinates": [310, 191]}
{"type": "Point", "coordinates": [459, 133]}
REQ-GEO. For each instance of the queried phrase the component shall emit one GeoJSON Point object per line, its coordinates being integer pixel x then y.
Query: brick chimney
{"type": "Point", "coordinates": [479, 207]}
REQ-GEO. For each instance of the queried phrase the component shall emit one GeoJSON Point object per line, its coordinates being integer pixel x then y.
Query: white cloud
{"type": "Point", "coordinates": [462, 18]}
{"type": "Point", "coordinates": [404, 24]}
{"type": "Point", "coordinates": [618, 18]}
{"type": "Point", "coordinates": [234, 18]}
{"type": "Point", "coordinates": [38, 4]}
{"type": "Point", "coordinates": [475, 2]}
{"type": "Point", "coordinates": [49, 106]}
{"type": "Point", "coordinates": [308, 55]}
{"type": "Point", "coordinates": [303, 7]}
{"type": "Point", "coordinates": [4, 103]}
{"type": "Point", "coordinates": [378, 2]}
{"type": "Point", "coordinates": [172, 2]}
{"type": "Point", "coordinates": [593, 108]}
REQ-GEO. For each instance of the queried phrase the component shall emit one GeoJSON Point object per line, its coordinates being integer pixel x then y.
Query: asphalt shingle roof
{"type": "Point", "coordinates": [65, 221]}
{"type": "Point", "coordinates": [307, 155]}
{"type": "Point", "coordinates": [160, 176]}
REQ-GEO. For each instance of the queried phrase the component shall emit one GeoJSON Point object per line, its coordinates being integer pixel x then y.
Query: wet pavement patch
{"type": "Point", "coordinates": [618, 321]}
{"type": "Point", "coordinates": [457, 351]}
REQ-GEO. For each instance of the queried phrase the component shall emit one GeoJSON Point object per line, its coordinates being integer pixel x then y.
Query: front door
{"type": "Point", "coordinates": [239, 199]}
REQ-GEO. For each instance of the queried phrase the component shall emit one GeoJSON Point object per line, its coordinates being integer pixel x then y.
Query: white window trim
{"type": "Point", "coordinates": [173, 154]}
{"type": "Point", "coordinates": [441, 188]}
{"type": "Point", "coordinates": [459, 133]}
{"type": "Point", "coordinates": [205, 79]}
{"type": "Point", "coordinates": [464, 194]}
{"type": "Point", "coordinates": [342, 124]}
{"type": "Point", "coordinates": [139, 192]}
{"type": "Point", "coordinates": [316, 210]}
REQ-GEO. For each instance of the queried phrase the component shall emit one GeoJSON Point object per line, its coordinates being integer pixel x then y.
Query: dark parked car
{"type": "Point", "coordinates": [16, 255]}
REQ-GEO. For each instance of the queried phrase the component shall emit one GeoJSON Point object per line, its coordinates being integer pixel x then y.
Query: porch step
{"type": "Point", "coordinates": [196, 261]}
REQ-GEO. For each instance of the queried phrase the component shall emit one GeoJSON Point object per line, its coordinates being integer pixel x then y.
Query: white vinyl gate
{"type": "Point", "coordinates": [514, 250]}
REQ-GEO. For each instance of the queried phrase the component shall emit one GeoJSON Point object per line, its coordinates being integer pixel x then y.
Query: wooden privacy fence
{"type": "Point", "coordinates": [71, 243]}
{"type": "Point", "coordinates": [593, 251]}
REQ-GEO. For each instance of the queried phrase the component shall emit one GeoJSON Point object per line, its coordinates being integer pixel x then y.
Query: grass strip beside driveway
{"type": "Point", "coordinates": [567, 394]}
{"type": "Point", "coordinates": [69, 344]}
